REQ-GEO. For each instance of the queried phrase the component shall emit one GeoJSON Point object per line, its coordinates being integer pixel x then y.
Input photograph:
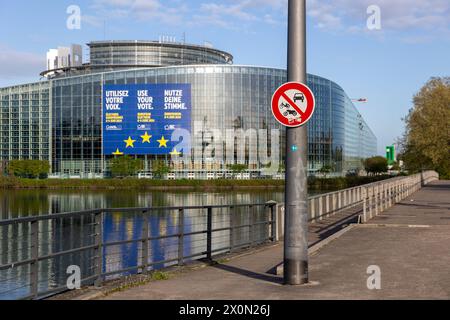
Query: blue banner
{"type": "Point", "coordinates": [140, 119]}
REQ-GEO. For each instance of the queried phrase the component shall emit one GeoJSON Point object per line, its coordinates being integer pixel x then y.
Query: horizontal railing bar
{"type": "Point", "coordinates": [49, 217]}
{"type": "Point", "coordinates": [62, 253]}
{"type": "Point", "coordinates": [61, 289]}
{"type": "Point", "coordinates": [16, 264]}
{"type": "Point", "coordinates": [124, 210]}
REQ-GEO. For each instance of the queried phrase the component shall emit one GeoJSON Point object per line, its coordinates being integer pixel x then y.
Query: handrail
{"type": "Point", "coordinates": [99, 267]}
{"type": "Point", "coordinates": [121, 210]}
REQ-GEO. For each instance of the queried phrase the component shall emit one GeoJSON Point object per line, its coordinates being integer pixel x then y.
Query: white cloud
{"type": "Point", "coordinates": [16, 64]}
{"type": "Point", "coordinates": [396, 15]}
{"type": "Point", "coordinates": [143, 10]}
{"type": "Point", "coordinates": [234, 13]}
{"type": "Point", "coordinates": [329, 15]}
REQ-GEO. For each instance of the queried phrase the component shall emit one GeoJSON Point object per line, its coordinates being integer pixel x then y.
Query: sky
{"type": "Point", "coordinates": [387, 65]}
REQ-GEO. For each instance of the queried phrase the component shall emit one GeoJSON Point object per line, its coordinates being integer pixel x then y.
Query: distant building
{"type": "Point", "coordinates": [63, 58]}
{"type": "Point", "coordinates": [61, 119]}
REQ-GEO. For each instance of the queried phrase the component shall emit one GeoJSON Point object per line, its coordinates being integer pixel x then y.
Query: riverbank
{"type": "Point", "coordinates": [314, 184]}
{"type": "Point", "coordinates": [140, 184]}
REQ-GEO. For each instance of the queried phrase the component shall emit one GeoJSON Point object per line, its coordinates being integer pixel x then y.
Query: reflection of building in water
{"type": "Point", "coordinates": [62, 235]}
{"type": "Point", "coordinates": [75, 201]}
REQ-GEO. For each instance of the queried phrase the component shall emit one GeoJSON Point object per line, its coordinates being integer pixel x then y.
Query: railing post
{"type": "Point", "coordinates": [181, 237]}
{"type": "Point", "coordinates": [344, 193]}
{"type": "Point", "coordinates": [334, 203]}
{"type": "Point", "coordinates": [313, 210]}
{"type": "Point", "coordinates": [34, 275]}
{"type": "Point", "coordinates": [390, 194]}
{"type": "Point", "coordinates": [376, 199]}
{"type": "Point", "coordinates": [386, 197]}
{"type": "Point", "coordinates": [232, 223]}
{"type": "Point", "coordinates": [370, 191]}
{"type": "Point", "coordinates": [99, 248]}
{"type": "Point", "coordinates": [273, 224]}
{"type": "Point", "coordinates": [364, 211]}
{"type": "Point", "coordinates": [327, 204]}
{"type": "Point", "coordinates": [251, 228]}
{"type": "Point", "coordinates": [320, 199]}
{"type": "Point", "coordinates": [209, 234]}
{"type": "Point", "coordinates": [280, 220]}
{"type": "Point", "coordinates": [145, 235]}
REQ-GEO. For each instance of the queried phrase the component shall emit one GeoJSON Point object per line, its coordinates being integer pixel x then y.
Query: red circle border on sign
{"type": "Point", "coordinates": [293, 86]}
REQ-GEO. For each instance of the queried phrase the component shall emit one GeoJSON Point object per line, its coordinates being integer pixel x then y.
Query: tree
{"type": "Point", "coordinates": [376, 165]}
{"type": "Point", "coordinates": [326, 170]}
{"type": "Point", "coordinates": [159, 169]}
{"type": "Point", "coordinates": [396, 166]}
{"type": "Point", "coordinates": [29, 168]}
{"type": "Point", "coordinates": [125, 166]}
{"type": "Point", "coordinates": [426, 142]}
{"type": "Point", "coordinates": [237, 168]}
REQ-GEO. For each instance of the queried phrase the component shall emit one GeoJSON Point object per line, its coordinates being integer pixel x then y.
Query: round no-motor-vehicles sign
{"type": "Point", "coordinates": [293, 104]}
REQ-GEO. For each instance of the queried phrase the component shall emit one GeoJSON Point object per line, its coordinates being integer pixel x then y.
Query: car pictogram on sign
{"type": "Point", "coordinates": [299, 97]}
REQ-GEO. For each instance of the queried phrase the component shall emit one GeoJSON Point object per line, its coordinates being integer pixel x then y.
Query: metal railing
{"type": "Point", "coordinates": [385, 194]}
{"type": "Point", "coordinates": [36, 251]}
{"type": "Point", "coordinates": [365, 201]}
{"type": "Point", "coordinates": [244, 226]}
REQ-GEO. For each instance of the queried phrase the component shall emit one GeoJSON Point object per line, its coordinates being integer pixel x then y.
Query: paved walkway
{"type": "Point", "coordinates": [409, 242]}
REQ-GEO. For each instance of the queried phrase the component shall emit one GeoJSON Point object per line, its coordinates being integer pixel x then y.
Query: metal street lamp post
{"type": "Point", "coordinates": [296, 195]}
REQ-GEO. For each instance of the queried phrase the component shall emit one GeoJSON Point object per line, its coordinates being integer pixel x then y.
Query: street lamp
{"type": "Point", "coordinates": [361, 100]}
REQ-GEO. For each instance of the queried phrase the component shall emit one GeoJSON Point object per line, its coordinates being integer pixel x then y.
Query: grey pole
{"type": "Point", "coordinates": [296, 194]}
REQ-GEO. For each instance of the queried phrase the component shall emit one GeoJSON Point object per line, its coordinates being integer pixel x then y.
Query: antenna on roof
{"type": "Point", "coordinates": [167, 39]}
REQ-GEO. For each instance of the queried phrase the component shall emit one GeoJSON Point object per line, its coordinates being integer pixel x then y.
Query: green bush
{"type": "Point", "coordinates": [376, 165]}
{"type": "Point", "coordinates": [159, 169]}
{"type": "Point", "coordinates": [31, 169]}
{"type": "Point", "coordinates": [125, 166]}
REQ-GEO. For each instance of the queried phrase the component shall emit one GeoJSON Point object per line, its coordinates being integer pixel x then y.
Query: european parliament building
{"type": "Point", "coordinates": [62, 119]}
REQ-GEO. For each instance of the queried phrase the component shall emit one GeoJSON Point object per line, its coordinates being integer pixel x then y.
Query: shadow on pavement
{"type": "Point", "coordinates": [439, 185]}
{"type": "Point", "coordinates": [415, 204]}
{"type": "Point", "coordinates": [249, 274]}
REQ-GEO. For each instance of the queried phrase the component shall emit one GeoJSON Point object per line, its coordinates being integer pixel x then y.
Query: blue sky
{"type": "Point", "coordinates": [387, 66]}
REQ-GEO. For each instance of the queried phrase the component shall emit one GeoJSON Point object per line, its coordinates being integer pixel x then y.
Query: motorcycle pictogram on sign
{"type": "Point", "coordinates": [293, 104]}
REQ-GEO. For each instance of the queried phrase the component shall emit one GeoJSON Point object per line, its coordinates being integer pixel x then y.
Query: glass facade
{"type": "Point", "coordinates": [223, 97]}
{"type": "Point", "coordinates": [150, 53]}
{"type": "Point", "coordinates": [61, 119]}
{"type": "Point", "coordinates": [25, 122]}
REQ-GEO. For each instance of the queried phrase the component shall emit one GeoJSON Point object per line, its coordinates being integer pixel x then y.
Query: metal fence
{"type": "Point", "coordinates": [364, 202]}
{"type": "Point", "coordinates": [36, 251]}
{"type": "Point", "coordinates": [383, 195]}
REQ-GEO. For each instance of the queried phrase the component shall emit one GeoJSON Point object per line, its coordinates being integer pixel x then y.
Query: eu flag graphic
{"type": "Point", "coordinates": [140, 119]}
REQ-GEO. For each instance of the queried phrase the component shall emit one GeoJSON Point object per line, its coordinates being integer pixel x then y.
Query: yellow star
{"type": "Point", "coordinates": [175, 152]}
{"type": "Point", "coordinates": [146, 137]}
{"type": "Point", "coordinates": [118, 153]}
{"type": "Point", "coordinates": [163, 142]}
{"type": "Point", "coordinates": [130, 142]}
